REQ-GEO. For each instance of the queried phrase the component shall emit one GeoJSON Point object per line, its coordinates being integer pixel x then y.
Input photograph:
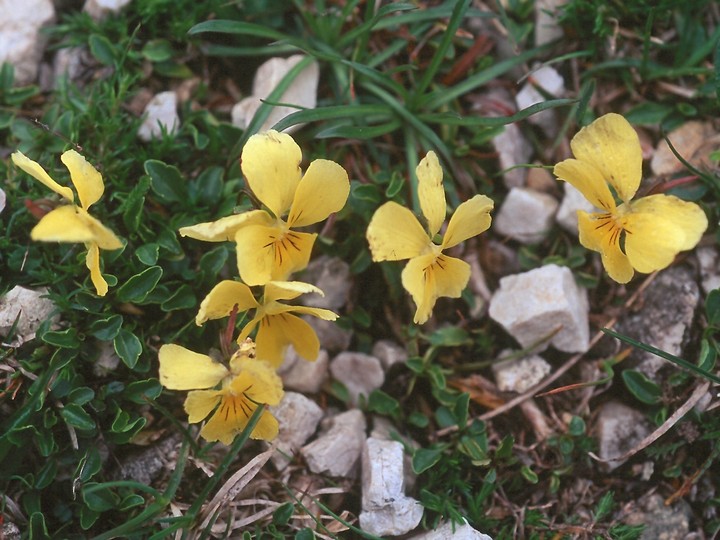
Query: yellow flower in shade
{"type": "Point", "coordinates": [268, 247]}
{"type": "Point", "coordinates": [72, 223]}
{"type": "Point", "coordinates": [643, 235]}
{"type": "Point", "coordinates": [248, 383]}
{"type": "Point", "coordinates": [277, 325]}
{"type": "Point", "coordinates": [394, 234]}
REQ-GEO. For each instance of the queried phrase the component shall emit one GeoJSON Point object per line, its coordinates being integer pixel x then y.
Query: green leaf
{"type": "Point", "coordinates": [210, 185]}
{"type": "Point", "coordinates": [182, 298]}
{"type": "Point", "coordinates": [577, 427]}
{"type": "Point", "coordinates": [641, 387]}
{"type": "Point", "coordinates": [305, 534]}
{"type": "Point", "coordinates": [396, 184]}
{"type": "Point", "coordinates": [450, 336]}
{"type": "Point", "coordinates": [382, 403]}
{"type": "Point", "coordinates": [712, 307]}
{"type": "Point", "coordinates": [99, 498]}
{"type": "Point", "coordinates": [529, 475]}
{"type": "Point", "coordinates": [81, 395]}
{"type": "Point", "coordinates": [166, 181]}
{"type": "Point", "coordinates": [148, 254]}
{"type": "Point", "coordinates": [648, 113]}
{"type": "Point", "coordinates": [142, 392]}
{"type": "Point", "coordinates": [106, 329]}
{"type": "Point", "coordinates": [75, 416]}
{"type": "Point", "coordinates": [37, 529]}
{"type": "Point", "coordinates": [102, 49]}
{"type": "Point", "coordinates": [157, 50]}
{"type": "Point", "coordinates": [66, 339]}
{"type": "Point", "coordinates": [133, 206]}
{"type": "Point", "coordinates": [140, 285]}
{"type": "Point", "coordinates": [128, 347]}
{"type": "Point", "coordinates": [425, 458]}
{"type": "Point", "coordinates": [283, 513]}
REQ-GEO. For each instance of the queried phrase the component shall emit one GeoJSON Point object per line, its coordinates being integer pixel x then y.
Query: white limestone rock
{"type": "Point", "coordinates": [298, 417]}
{"type": "Point", "coordinates": [302, 376]}
{"type": "Point", "coordinates": [99, 9]}
{"type": "Point", "coordinates": [399, 517]}
{"type": "Point", "coordinates": [526, 215]}
{"type": "Point", "coordinates": [21, 41]}
{"type": "Point", "coordinates": [572, 202]}
{"type": "Point", "coordinates": [332, 276]}
{"type": "Point", "coordinates": [619, 429]}
{"type": "Point", "coordinates": [520, 374]}
{"type": "Point", "coordinates": [359, 372]}
{"type": "Point", "coordinates": [552, 83]}
{"type": "Point", "coordinates": [337, 451]}
{"type": "Point", "coordinates": [389, 353]}
{"type": "Point", "coordinates": [687, 140]}
{"type": "Point", "coordinates": [301, 92]}
{"type": "Point", "coordinates": [160, 114]}
{"type": "Point", "coordinates": [29, 307]}
{"type": "Point", "coordinates": [531, 305]}
{"type": "Point", "coordinates": [709, 259]}
{"type": "Point", "coordinates": [513, 149]}
{"type": "Point", "coordinates": [3, 199]}
{"type": "Point", "coordinates": [383, 480]}
{"type": "Point", "coordinates": [448, 529]}
{"type": "Point", "coordinates": [547, 27]}
{"type": "Point", "coordinates": [332, 336]}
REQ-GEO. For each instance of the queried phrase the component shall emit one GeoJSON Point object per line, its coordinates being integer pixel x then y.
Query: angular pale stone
{"type": "Point", "coordinates": [99, 9]}
{"type": "Point", "coordinates": [21, 42]}
{"type": "Point", "coordinates": [301, 92]}
{"type": "Point", "coordinates": [161, 114]}
{"type": "Point", "coordinates": [572, 202]}
{"type": "Point", "coordinates": [303, 376]}
{"type": "Point", "coordinates": [513, 149]}
{"type": "Point", "coordinates": [399, 517]}
{"type": "Point", "coordinates": [382, 473]}
{"type": "Point", "coordinates": [456, 531]}
{"type": "Point", "coordinates": [389, 353]}
{"type": "Point", "coordinates": [547, 28]}
{"type": "Point", "coordinates": [552, 83]}
{"type": "Point", "coordinates": [332, 275]}
{"type": "Point", "coordinates": [107, 360]}
{"type": "Point", "coordinates": [658, 324]}
{"type": "Point", "coordinates": [360, 373]}
{"type": "Point", "coordinates": [3, 199]}
{"type": "Point", "coordinates": [686, 140]}
{"type": "Point", "coordinates": [709, 259]}
{"type": "Point", "coordinates": [521, 374]}
{"type": "Point", "coordinates": [531, 305]}
{"type": "Point", "coordinates": [28, 306]}
{"type": "Point", "coordinates": [298, 417]}
{"type": "Point", "coordinates": [332, 336]}
{"type": "Point", "coordinates": [619, 428]}
{"type": "Point", "coordinates": [526, 215]}
{"type": "Point", "coordinates": [337, 451]}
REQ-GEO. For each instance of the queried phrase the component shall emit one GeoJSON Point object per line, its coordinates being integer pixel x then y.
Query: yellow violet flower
{"type": "Point", "coordinates": [394, 234]}
{"type": "Point", "coordinates": [643, 235]}
{"type": "Point", "coordinates": [72, 223]}
{"type": "Point", "coordinates": [277, 326]}
{"type": "Point", "coordinates": [246, 384]}
{"type": "Point", "coordinates": [268, 247]}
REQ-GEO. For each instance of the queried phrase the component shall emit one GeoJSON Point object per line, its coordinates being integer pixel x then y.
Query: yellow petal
{"type": "Point", "coordinates": [224, 229]}
{"type": "Point", "coordinates": [271, 165]}
{"type": "Point", "coordinates": [276, 332]}
{"type": "Point", "coordinates": [587, 180]}
{"type": "Point", "coordinates": [64, 224]}
{"type": "Point", "coordinates": [394, 233]}
{"type": "Point", "coordinates": [470, 219]}
{"type": "Point", "coordinates": [102, 236]}
{"type": "Point", "coordinates": [288, 290]}
{"type": "Point", "coordinates": [599, 233]}
{"type": "Point", "coordinates": [658, 228]}
{"type": "Point", "coordinates": [275, 308]}
{"type": "Point", "coordinates": [323, 190]}
{"type": "Point", "coordinates": [87, 180]}
{"type": "Point", "coordinates": [612, 146]}
{"type": "Point", "coordinates": [259, 381]}
{"type": "Point", "coordinates": [182, 369]}
{"type": "Point", "coordinates": [431, 192]}
{"type": "Point", "coordinates": [430, 277]}
{"type": "Point", "coordinates": [200, 403]}
{"type": "Point", "coordinates": [36, 171]}
{"type": "Point", "coordinates": [223, 298]}
{"type": "Point", "coordinates": [92, 261]}
{"type": "Point", "coordinates": [269, 253]}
